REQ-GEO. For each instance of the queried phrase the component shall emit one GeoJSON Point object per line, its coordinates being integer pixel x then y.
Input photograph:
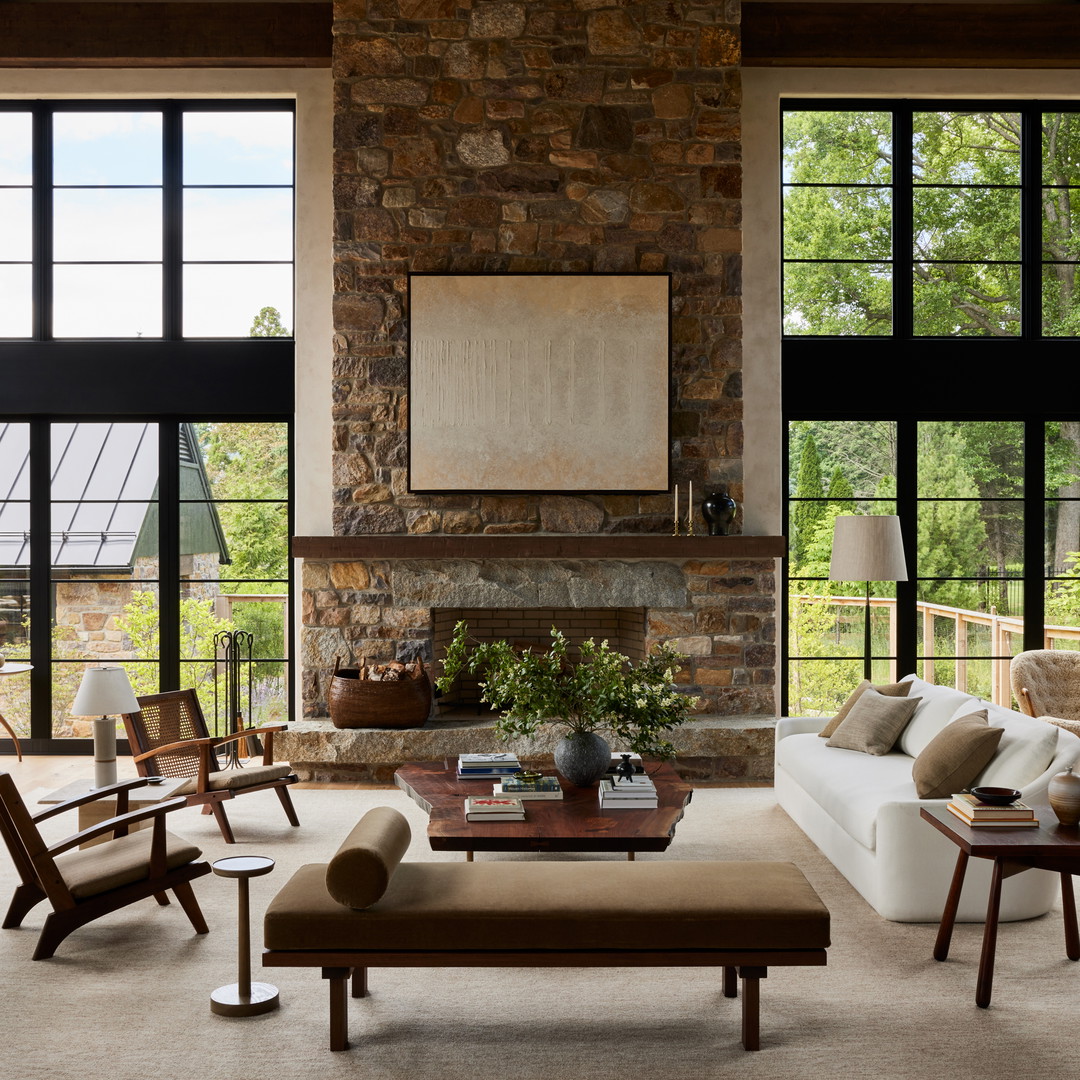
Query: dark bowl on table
{"type": "Point", "coordinates": [996, 796]}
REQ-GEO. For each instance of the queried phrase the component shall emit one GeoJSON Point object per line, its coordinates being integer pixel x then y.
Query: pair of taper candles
{"type": "Point", "coordinates": [689, 510]}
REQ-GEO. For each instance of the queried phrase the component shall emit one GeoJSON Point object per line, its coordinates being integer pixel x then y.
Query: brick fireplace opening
{"type": "Point", "coordinates": [622, 628]}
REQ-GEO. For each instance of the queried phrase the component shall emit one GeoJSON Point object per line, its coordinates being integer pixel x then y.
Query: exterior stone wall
{"type": "Point", "coordinates": [553, 136]}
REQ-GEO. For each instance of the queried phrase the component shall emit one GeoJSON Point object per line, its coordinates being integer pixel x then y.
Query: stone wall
{"type": "Point", "coordinates": [720, 614]}
{"type": "Point", "coordinates": [554, 136]}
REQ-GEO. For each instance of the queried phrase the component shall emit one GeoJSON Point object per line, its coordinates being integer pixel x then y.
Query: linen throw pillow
{"type": "Point", "coordinates": [893, 689]}
{"type": "Point", "coordinates": [874, 722]}
{"type": "Point", "coordinates": [955, 756]}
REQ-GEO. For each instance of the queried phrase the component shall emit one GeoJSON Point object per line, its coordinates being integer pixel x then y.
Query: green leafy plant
{"type": "Point", "coordinates": [604, 691]}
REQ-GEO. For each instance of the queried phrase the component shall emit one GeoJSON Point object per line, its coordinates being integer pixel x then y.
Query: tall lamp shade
{"type": "Point", "coordinates": [867, 548]}
{"type": "Point", "coordinates": [103, 693]}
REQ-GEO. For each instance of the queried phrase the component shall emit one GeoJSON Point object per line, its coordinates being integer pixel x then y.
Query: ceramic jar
{"type": "Point", "coordinates": [1064, 795]}
{"type": "Point", "coordinates": [582, 758]}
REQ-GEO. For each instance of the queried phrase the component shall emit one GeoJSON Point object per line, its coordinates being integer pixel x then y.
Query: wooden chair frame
{"type": "Point", "coordinates": [196, 757]}
{"type": "Point", "coordinates": [43, 880]}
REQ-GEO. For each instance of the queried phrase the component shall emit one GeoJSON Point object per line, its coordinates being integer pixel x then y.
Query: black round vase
{"type": "Point", "coordinates": [718, 509]}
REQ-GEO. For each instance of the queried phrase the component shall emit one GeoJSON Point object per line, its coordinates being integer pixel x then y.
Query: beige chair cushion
{"type": "Point", "coordinates": [97, 869]}
{"type": "Point", "coordinates": [361, 870]}
{"type": "Point", "coordinates": [955, 756]}
{"type": "Point", "coordinates": [873, 723]}
{"type": "Point", "coordinates": [666, 904]}
{"type": "Point", "coordinates": [894, 689]}
{"type": "Point", "coordinates": [234, 779]}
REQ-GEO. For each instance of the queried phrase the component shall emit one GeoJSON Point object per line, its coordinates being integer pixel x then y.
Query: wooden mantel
{"type": "Point", "coordinates": [547, 546]}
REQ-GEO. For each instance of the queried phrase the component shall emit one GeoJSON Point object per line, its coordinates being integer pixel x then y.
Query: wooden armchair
{"type": "Point", "coordinates": [169, 737]}
{"type": "Point", "coordinates": [83, 885]}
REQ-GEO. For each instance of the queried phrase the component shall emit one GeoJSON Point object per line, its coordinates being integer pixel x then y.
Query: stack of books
{"type": "Point", "coordinates": [975, 813]}
{"type": "Point", "coordinates": [546, 787]}
{"type": "Point", "coordinates": [636, 794]}
{"type": "Point", "coordinates": [490, 808]}
{"type": "Point", "coordinates": [486, 766]}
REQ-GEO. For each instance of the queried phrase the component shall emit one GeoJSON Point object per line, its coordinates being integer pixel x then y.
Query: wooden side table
{"type": "Point", "coordinates": [13, 668]}
{"type": "Point", "coordinates": [1050, 846]}
{"type": "Point", "coordinates": [99, 810]}
{"type": "Point", "coordinates": [243, 997]}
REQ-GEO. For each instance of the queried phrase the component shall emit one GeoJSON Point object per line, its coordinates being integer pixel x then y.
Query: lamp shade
{"type": "Point", "coordinates": [868, 548]}
{"type": "Point", "coordinates": [104, 691]}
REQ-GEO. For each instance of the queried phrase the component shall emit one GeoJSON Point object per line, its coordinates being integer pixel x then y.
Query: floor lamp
{"type": "Point", "coordinates": [867, 548]}
{"type": "Point", "coordinates": [104, 693]}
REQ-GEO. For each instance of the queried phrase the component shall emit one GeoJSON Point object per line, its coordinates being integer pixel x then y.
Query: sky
{"type": "Point", "coordinates": [107, 172]}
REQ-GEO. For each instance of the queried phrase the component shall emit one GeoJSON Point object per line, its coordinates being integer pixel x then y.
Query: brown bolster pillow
{"type": "Point", "coordinates": [361, 870]}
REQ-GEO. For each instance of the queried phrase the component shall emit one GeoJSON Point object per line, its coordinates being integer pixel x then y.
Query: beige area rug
{"type": "Point", "coordinates": [127, 998]}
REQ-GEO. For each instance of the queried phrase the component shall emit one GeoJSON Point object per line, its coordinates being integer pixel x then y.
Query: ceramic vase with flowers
{"type": "Point", "coordinates": [633, 702]}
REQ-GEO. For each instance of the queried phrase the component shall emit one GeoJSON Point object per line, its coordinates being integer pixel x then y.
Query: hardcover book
{"type": "Point", "coordinates": [986, 823]}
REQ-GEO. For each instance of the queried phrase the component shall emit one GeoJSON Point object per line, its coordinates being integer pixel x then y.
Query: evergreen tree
{"type": "Point", "coordinates": [806, 515]}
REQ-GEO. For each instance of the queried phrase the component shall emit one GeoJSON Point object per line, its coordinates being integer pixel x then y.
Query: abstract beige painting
{"type": "Point", "coordinates": [539, 382]}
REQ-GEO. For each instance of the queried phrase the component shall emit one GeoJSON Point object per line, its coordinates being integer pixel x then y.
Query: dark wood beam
{"type": "Point", "coordinates": [911, 35]}
{"type": "Point", "coordinates": [165, 35]}
{"type": "Point", "coordinates": [544, 546]}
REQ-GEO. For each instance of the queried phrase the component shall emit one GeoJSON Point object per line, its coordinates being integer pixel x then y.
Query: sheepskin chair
{"type": "Point", "coordinates": [1046, 683]}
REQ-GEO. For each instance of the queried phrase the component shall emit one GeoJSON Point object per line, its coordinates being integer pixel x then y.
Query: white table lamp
{"type": "Point", "coordinates": [104, 693]}
{"type": "Point", "coordinates": [868, 548]}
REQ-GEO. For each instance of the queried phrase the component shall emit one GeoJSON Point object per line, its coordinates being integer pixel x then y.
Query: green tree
{"type": "Point", "coordinates": [965, 168]}
{"type": "Point", "coordinates": [953, 540]}
{"type": "Point", "coordinates": [268, 324]}
{"type": "Point", "coordinates": [841, 492]}
{"type": "Point", "coordinates": [806, 514]}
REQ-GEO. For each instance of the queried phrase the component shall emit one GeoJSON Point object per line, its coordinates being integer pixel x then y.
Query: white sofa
{"type": "Point", "coordinates": [862, 811]}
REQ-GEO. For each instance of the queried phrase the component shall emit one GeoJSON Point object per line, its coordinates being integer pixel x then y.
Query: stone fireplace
{"type": "Point", "coordinates": [554, 136]}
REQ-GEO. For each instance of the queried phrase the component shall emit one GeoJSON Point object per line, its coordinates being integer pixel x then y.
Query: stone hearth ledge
{"type": "Point", "coordinates": [731, 749]}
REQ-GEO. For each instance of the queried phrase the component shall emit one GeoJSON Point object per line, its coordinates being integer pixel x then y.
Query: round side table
{"type": "Point", "coordinates": [243, 997]}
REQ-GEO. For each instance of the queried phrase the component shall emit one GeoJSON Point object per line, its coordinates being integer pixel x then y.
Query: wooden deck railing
{"type": "Point", "coordinates": [1005, 639]}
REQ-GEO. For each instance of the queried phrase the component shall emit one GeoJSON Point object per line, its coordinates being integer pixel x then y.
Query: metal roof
{"type": "Point", "coordinates": [104, 492]}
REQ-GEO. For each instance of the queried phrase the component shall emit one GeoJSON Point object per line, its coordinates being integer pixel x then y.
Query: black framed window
{"type": "Point", "coordinates": [146, 264]}
{"type": "Point", "coordinates": [929, 295]}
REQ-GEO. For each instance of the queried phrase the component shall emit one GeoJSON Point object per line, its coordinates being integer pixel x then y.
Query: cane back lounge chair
{"type": "Point", "coordinates": [169, 737]}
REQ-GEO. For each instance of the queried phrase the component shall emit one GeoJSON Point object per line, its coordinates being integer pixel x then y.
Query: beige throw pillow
{"type": "Point", "coordinates": [955, 756]}
{"type": "Point", "coordinates": [893, 689]}
{"type": "Point", "coordinates": [874, 722]}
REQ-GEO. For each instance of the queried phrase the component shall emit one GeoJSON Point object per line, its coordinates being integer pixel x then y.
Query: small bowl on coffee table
{"type": "Point", "coordinates": [996, 796]}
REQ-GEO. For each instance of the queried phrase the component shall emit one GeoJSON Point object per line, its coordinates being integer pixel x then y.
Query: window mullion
{"type": "Point", "coordinates": [1031, 221]}
{"type": "Point", "coordinates": [41, 614]}
{"type": "Point", "coordinates": [902, 243]}
{"type": "Point", "coordinates": [172, 223]}
{"type": "Point", "coordinates": [907, 508]}
{"type": "Point", "coordinates": [169, 554]}
{"type": "Point", "coordinates": [41, 211]}
{"type": "Point", "coordinates": [1035, 567]}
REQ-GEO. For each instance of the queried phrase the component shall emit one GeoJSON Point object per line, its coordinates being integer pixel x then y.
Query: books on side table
{"type": "Point", "coordinates": [487, 766]}
{"type": "Point", "coordinates": [546, 787]}
{"type": "Point", "coordinates": [975, 813]}
{"type": "Point", "coordinates": [636, 794]}
{"type": "Point", "coordinates": [493, 808]}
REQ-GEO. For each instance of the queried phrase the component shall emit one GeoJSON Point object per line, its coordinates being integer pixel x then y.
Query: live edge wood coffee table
{"type": "Point", "coordinates": [572, 823]}
{"type": "Point", "coordinates": [1049, 846]}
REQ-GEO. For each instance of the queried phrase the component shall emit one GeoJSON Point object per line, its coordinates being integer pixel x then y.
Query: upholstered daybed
{"type": "Point", "coordinates": [366, 909]}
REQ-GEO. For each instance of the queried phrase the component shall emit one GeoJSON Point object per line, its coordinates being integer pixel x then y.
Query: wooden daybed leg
{"type": "Point", "coordinates": [339, 1006]}
{"type": "Point", "coordinates": [731, 982]}
{"type": "Point", "coordinates": [751, 1029]}
{"type": "Point", "coordinates": [359, 982]}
